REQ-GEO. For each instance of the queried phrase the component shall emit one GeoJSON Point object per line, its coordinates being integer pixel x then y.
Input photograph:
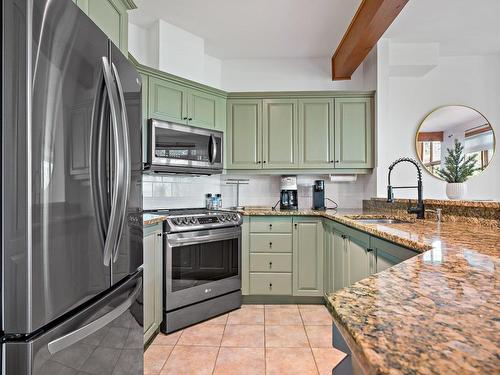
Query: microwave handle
{"type": "Point", "coordinates": [213, 149]}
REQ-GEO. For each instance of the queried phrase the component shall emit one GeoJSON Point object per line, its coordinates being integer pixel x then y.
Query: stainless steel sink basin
{"type": "Point", "coordinates": [382, 221]}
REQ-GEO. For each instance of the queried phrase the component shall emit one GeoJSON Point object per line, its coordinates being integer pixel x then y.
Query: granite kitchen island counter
{"type": "Point", "coordinates": [436, 313]}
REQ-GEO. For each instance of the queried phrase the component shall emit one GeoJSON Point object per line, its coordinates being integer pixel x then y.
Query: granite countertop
{"type": "Point", "coordinates": [150, 219]}
{"type": "Point", "coordinates": [436, 313]}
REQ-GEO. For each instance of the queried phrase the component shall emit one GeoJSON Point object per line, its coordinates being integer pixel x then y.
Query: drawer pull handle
{"type": "Point", "coordinates": [270, 264]}
{"type": "Point", "coordinates": [270, 245]}
{"type": "Point", "coordinates": [270, 286]}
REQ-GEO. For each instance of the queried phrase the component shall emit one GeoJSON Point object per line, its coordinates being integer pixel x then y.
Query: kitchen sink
{"type": "Point", "coordinates": [381, 221]}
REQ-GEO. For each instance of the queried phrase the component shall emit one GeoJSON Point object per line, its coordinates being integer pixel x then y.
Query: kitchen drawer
{"type": "Point", "coordinates": [271, 224]}
{"type": "Point", "coordinates": [270, 243]}
{"type": "Point", "coordinates": [264, 262]}
{"type": "Point", "coordinates": [271, 283]}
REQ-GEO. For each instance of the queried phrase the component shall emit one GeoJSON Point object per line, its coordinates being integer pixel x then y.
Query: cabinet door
{"type": "Point", "coordinates": [307, 257]}
{"type": "Point", "coordinates": [353, 133]}
{"type": "Point", "coordinates": [111, 16]}
{"type": "Point", "coordinates": [339, 261]}
{"type": "Point", "coordinates": [328, 282]}
{"type": "Point", "coordinates": [384, 261]}
{"type": "Point", "coordinates": [167, 101]}
{"type": "Point", "coordinates": [359, 265]}
{"type": "Point", "coordinates": [202, 109]}
{"type": "Point", "coordinates": [316, 133]}
{"type": "Point", "coordinates": [280, 133]}
{"type": "Point", "coordinates": [244, 134]}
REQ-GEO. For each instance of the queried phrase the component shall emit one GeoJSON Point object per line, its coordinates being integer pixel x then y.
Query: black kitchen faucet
{"type": "Point", "coordinates": [420, 209]}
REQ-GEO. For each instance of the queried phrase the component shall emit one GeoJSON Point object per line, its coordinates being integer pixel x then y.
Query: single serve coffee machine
{"type": "Point", "coordinates": [319, 195]}
{"type": "Point", "coordinates": [288, 196]}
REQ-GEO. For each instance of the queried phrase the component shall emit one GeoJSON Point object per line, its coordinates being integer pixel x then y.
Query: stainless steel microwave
{"type": "Point", "coordinates": [183, 149]}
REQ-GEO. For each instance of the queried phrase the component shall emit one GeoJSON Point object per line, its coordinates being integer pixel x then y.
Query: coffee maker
{"type": "Point", "coordinates": [319, 195]}
{"type": "Point", "coordinates": [288, 195]}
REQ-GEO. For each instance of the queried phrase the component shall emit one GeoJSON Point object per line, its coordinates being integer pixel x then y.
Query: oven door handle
{"type": "Point", "coordinates": [203, 238]}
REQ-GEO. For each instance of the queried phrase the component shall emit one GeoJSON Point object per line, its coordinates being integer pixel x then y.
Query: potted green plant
{"type": "Point", "coordinates": [457, 169]}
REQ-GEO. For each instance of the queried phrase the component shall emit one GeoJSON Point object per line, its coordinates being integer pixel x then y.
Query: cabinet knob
{"type": "Point", "coordinates": [264, 162]}
{"type": "Point", "coordinates": [184, 118]}
{"type": "Point", "coordinates": [270, 244]}
{"type": "Point", "coordinates": [369, 250]}
{"type": "Point", "coordinates": [160, 235]}
{"type": "Point", "coordinates": [270, 264]}
{"type": "Point", "coordinates": [337, 161]}
{"type": "Point", "coordinates": [190, 119]}
{"type": "Point", "coordinates": [259, 162]}
{"type": "Point", "coordinates": [343, 236]}
{"type": "Point", "coordinates": [331, 161]}
{"type": "Point", "coordinates": [270, 286]}
{"type": "Point", "coordinates": [295, 225]}
{"type": "Point", "coordinates": [270, 226]}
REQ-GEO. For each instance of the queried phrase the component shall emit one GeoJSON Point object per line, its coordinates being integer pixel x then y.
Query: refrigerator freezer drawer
{"type": "Point", "coordinates": [104, 338]}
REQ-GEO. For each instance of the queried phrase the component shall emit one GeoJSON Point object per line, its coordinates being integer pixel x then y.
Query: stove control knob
{"type": "Point", "coordinates": [185, 220]}
{"type": "Point", "coordinates": [228, 217]}
{"type": "Point", "coordinates": [234, 217]}
{"type": "Point", "coordinates": [176, 221]}
{"type": "Point", "coordinates": [221, 218]}
{"type": "Point", "coordinates": [192, 220]}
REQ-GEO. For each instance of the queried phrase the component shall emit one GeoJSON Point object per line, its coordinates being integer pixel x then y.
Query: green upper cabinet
{"type": "Point", "coordinates": [307, 257]}
{"type": "Point", "coordinates": [316, 133]}
{"type": "Point", "coordinates": [168, 101]}
{"type": "Point", "coordinates": [244, 134]}
{"type": "Point", "coordinates": [111, 16]}
{"type": "Point", "coordinates": [202, 109]}
{"type": "Point", "coordinates": [353, 133]}
{"type": "Point", "coordinates": [280, 133]}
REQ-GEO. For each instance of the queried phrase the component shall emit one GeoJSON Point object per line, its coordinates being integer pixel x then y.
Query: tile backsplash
{"type": "Point", "coordinates": [188, 191]}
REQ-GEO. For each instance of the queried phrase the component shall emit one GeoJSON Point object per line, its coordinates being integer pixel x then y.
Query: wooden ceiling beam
{"type": "Point", "coordinates": [370, 22]}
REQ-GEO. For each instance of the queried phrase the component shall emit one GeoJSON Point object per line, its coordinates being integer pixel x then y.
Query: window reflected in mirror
{"type": "Point", "coordinates": [443, 126]}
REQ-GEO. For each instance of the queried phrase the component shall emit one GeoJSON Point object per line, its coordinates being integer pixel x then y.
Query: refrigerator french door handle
{"type": "Point", "coordinates": [213, 149]}
{"type": "Point", "coordinates": [95, 169]}
{"type": "Point", "coordinates": [73, 337]}
{"type": "Point", "coordinates": [125, 159]}
{"type": "Point", "coordinates": [114, 231]}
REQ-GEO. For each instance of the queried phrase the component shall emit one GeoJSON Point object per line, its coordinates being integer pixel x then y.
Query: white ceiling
{"type": "Point", "coordinates": [253, 29]}
{"type": "Point", "coordinates": [462, 27]}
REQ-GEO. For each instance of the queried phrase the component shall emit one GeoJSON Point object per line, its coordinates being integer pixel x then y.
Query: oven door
{"type": "Point", "coordinates": [178, 148]}
{"type": "Point", "coordinates": [200, 265]}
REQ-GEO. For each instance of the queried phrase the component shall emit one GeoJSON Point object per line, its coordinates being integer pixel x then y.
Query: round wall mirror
{"type": "Point", "coordinates": [450, 129]}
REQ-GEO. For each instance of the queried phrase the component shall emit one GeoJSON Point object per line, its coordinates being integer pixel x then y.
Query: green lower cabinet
{"type": "Point", "coordinates": [340, 260]}
{"type": "Point", "coordinates": [153, 279]}
{"type": "Point", "coordinates": [280, 142]}
{"type": "Point", "coordinates": [359, 260]}
{"type": "Point", "coordinates": [307, 257]}
{"type": "Point", "coordinates": [266, 283]}
{"type": "Point", "coordinates": [353, 133]}
{"type": "Point", "coordinates": [316, 133]}
{"type": "Point", "coordinates": [387, 254]}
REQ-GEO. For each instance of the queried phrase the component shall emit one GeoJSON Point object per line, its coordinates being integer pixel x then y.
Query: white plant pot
{"type": "Point", "coordinates": [456, 190]}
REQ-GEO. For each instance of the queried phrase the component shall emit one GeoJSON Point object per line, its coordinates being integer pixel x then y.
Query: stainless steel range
{"type": "Point", "coordinates": [202, 266]}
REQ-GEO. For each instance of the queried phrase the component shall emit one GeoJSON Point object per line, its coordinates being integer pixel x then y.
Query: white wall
{"type": "Point", "coordinates": [403, 102]}
{"type": "Point", "coordinates": [173, 50]}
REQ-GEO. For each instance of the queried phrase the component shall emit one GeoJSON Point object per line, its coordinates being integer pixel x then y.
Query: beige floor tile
{"type": "Point", "coordinates": [155, 357]}
{"type": "Point", "coordinates": [311, 306]}
{"type": "Point", "coordinates": [191, 360]}
{"type": "Point", "coordinates": [202, 335]}
{"type": "Point", "coordinates": [252, 306]}
{"type": "Point", "coordinates": [290, 361]}
{"type": "Point", "coordinates": [315, 316]}
{"type": "Point", "coordinates": [282, 316]}
{"type": "Point", "coordinates": [319, 336]}
{"type": "Point", "coordinates": [170, 339]}
{"type": "Point", "coordinates": [216, 321]}
{"type": "Point", "coordinates": [286, 337]}
{"type": "Point", "coordinates": [283, 306]}
{"type": "Point", "coordinates": [246, 316]}
{"type": "Point", "coordinates": [326, 359]}
{"type": "Point", "coordinates": [244, 336]}
{"type": "Point", "coordinates": [235, 361]}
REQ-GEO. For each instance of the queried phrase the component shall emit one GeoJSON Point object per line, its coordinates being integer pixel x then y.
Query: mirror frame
{"type": "Point", "coordinates": [441, 107]}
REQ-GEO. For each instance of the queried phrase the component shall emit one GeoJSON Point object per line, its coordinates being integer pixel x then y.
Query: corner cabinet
{"type": "Point", "coordinates": [307, 256]}
{"type": "Point", "coordinates": [353, 133]}
{"type": "Point", "coordinates": [153, 279]}
{"type": "Point", "coordinates": [111, 16]}
{"type": "Point", "coordinates": [306, 133]}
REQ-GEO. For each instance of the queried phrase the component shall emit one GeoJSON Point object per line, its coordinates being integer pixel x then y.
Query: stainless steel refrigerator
{"type": "Point", "coordinates": [71, 238]}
